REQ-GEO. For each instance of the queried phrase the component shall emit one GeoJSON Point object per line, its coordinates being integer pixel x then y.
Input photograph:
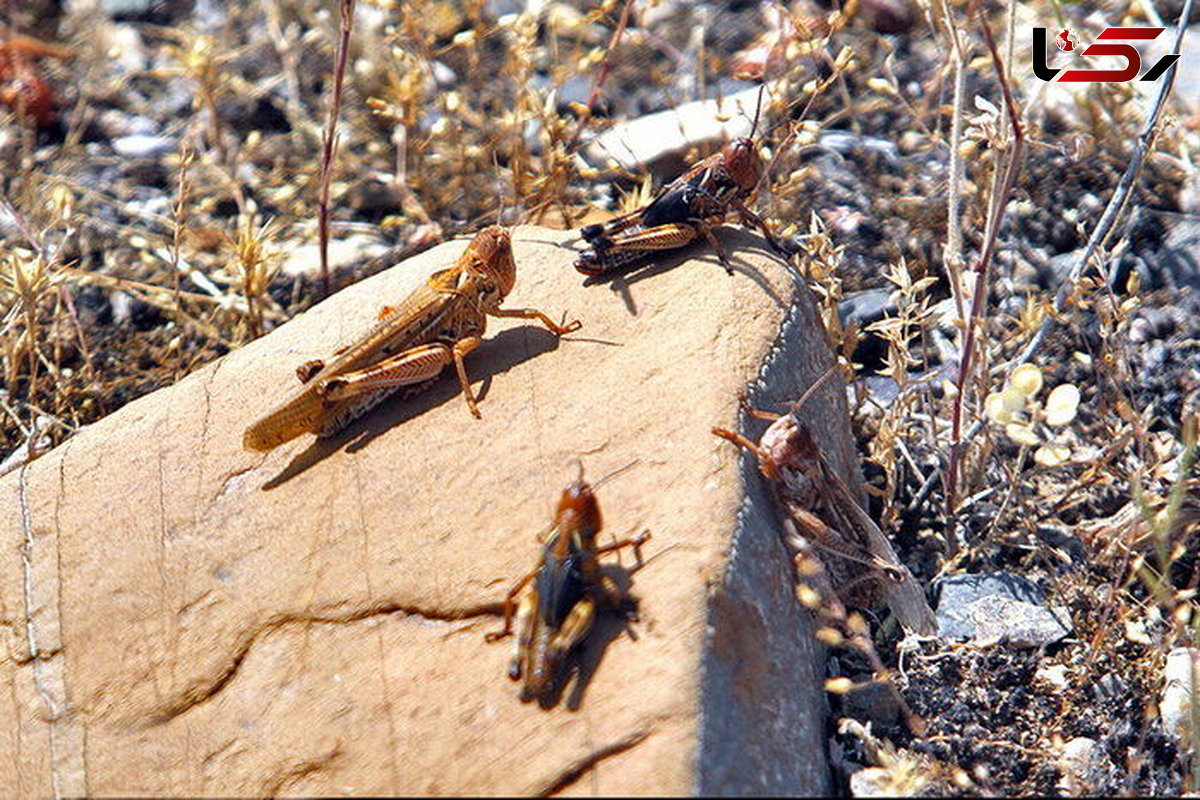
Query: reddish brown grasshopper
{"type": "Point", "coordinates": [823, 520]}
{"type": "Point", "coordinates": [558, 609]}
{"type": "Point", "coordinates": [21, 88]}
{"type": "Point", "coordinates": [435, 326]}
{"type": "Point", "coordinates": [690, 206]}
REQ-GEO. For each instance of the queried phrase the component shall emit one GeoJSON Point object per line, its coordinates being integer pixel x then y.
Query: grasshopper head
{"type": "Point", "coordinates": [578, 511]}
{"type": "Point", "coordinates": [492, 257]}
{"type": "Point", "coordinates": [743, 162]}
{"type": "Point", "coordinates": [786, 443]}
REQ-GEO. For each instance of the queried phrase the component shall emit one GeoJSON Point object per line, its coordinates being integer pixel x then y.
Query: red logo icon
{"type": "Point", "coordinates": [1106, 46]}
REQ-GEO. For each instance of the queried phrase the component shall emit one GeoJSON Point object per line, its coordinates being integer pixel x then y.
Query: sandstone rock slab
{"type": "Point", "coordinates": [181, 617]}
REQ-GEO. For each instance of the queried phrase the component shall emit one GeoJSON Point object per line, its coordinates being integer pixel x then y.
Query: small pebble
{"type": "Point", "coordinates": [999, 606]}
{"type": "Point", "coordinates": [1178, 676]}
{"type": "Point", "coordinates": [1078, 763]}
{"type": "Point", "coordinates": [1053, 674]}
{"type": "Point", "coordinates": [141, 146]}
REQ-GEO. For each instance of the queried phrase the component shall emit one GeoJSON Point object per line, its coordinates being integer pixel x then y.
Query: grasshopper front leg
{"type": "Point", "coordinates": [496, 636]}
{"type": "Point", "coordinates": [705, 229]}
{"type": "Point", "coordinates": [635, 542]}
{"type": "Point", "coordinates": [741, 441]}
{"type": "Point", "coordinates": [533, 313]}
{"type": "Point", "coordinates": [412, 366]}
{"type": "Point", "coordinates": [750, 219]}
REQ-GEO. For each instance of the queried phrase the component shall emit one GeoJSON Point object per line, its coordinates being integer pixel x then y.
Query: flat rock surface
{"type": "Point", "coordinates": [183, 617]}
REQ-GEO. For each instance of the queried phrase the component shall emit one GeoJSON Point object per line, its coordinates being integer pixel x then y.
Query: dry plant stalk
{"type": "Point", "coordinates": [255, 262]}
{"type": "Point", "coordinates": [1002, 190]}
{"type": "Point", "coordinates": [329, 142]}
{"type": "Point", "coordinates": [585, 115]}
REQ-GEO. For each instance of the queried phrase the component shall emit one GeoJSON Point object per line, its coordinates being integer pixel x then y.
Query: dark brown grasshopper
{"type": "Point", "coordinates": [824, 522]}
{"type": "Point", "coordinates": [558, 608]}
{"type": "Point", "coordinates": [690, 206]}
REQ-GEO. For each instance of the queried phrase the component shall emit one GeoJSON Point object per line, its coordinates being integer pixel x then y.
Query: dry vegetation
{"type": "Point", "coordinates": [168, 214]}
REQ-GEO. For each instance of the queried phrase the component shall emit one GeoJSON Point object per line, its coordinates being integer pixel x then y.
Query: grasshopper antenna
{"type": "Point", "coordinates": [757, 108]}
{"type": "Point", "coordinates": [613, 474]}
{"type": "Point", "coordinates": [793, 130]}
{"type": "Point", "coordinates": [811, 390]}
{"type": "Point", "coordinates": [504, 195]}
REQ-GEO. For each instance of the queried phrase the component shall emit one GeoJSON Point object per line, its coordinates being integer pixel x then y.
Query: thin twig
{"type": "Point", "coordinates": [601, 76]}
{"type": "Point", "coordinates": [982, 269]}
{"type": "Point", "coordinates": [330, 140]}
{"type": "Point", "coordinates": [952, 258]}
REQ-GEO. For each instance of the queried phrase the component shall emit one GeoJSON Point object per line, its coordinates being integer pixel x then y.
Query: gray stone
{"type": "Point", "coordinates": [1177, 695]}
{"type": "Point", "coordinates": [1081, 763]}
{"type": "Point", "coordinates": [998, 605]}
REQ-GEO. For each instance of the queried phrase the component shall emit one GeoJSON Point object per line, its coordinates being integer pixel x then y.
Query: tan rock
{"type": "Point", "coordinates": [183, 617]}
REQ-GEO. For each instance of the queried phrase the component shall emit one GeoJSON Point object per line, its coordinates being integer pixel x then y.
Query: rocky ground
{"type": "Point", "coordinates": [161, 213]}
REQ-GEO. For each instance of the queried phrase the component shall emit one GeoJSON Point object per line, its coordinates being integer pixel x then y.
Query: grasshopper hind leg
{"type": "Point", "coordinates": [526, 618]}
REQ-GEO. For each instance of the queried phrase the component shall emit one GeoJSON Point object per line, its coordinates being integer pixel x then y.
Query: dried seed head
{"type": "Point", "coordinates": [1062, 405]}
{"type": "Point", "coordinates": [1027, 380]}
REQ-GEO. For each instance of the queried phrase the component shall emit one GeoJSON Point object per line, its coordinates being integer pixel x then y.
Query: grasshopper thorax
{"type": "Point", "coordinates": [579, 512]}
{"type": "Point", "coordinates": [490, 256]}
{"type": "Point", "coordinates": [743, 162]}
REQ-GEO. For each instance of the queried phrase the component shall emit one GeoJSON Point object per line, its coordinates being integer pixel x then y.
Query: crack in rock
{"type": "Point", "coordinates": [301, 770]}
{"type": "Point", "coordinates": [204, 689]}
{"type": "Point", "coordinates": [67, 774]}
{"type": "Point", "coordinates": [583, 766]}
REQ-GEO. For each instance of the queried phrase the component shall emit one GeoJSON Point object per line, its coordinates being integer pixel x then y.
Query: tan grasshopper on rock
{"type": "Point", "coordinates": [558, 609]}
{"type": "Point", "coordinates": [824, 521]}
{"type": "Point", "coordinates": [435, 326]}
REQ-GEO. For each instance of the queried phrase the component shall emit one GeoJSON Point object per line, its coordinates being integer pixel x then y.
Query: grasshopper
{"type": "Point", "coordinates": [558, 609]}
{"type": "Point", "coordinates": [691, 206]}
{"type": "Point", "coordinates": [824, 522]}
{"type": "Point", "coordinates": [21, 87]}
{"type": "Point", "coordinates": [437, 325]}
